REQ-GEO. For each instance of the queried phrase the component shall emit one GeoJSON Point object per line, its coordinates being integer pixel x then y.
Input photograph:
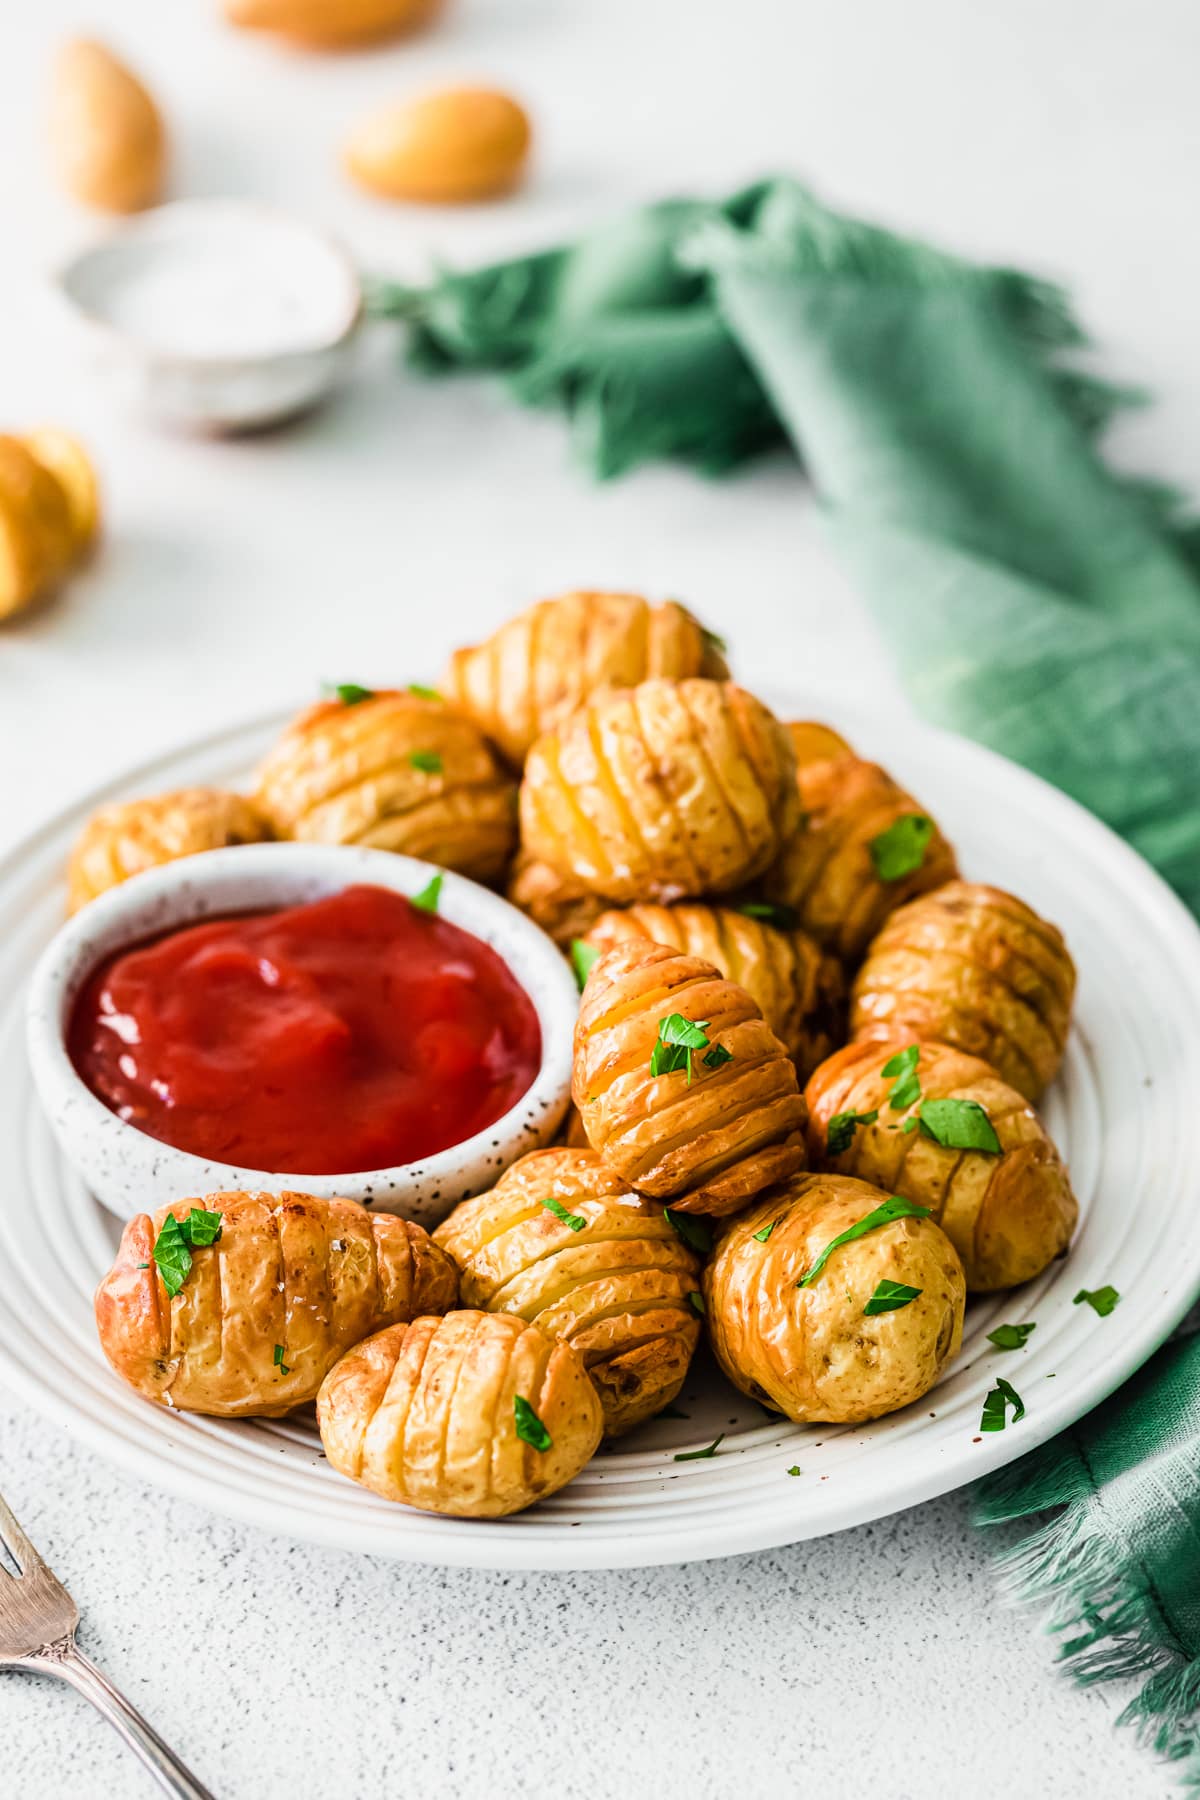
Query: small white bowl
{"type": "Point", "coordinates": [131, 1172]}
{"type": "Point", "coordinates": [217, 315]}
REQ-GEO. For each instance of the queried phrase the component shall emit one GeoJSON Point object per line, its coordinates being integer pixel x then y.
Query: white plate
{"type": "Point", "coordinates": [1122, 1112]}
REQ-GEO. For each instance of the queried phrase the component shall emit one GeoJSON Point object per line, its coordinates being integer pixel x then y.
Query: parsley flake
{"type": "Point", "coordinates": [907, 1084]}
{"type": "Point", "coordinates": [696, 1302]}
{"type": "Point", "coordinates": [582, 957]}
{"type": "Point", "coordinates": [279, 1362]}
{"type": "Point", "coordinates": [760, 1237]}
{"type": "Point", "coordinates": [894, 1208]}
{"type": "Point", "coordinates": [427, 899]}
{"type": "Point", "coordinates": [427, 761]}
{"type": "Point", "coordinates": [771, 912]}
{"type": "Point", "coordinates": [1003, 1395]}
{"type": "Point", "coordinates": [959, 1125]}
{"type": "Point", "coordinates": [529, 1427]}
{"type": "Point", "coordinates": [712, 1059]}
{"type": "Point", "coordinates": [348, 692]}
{"type": "Point", "coordinates": [173, 1246]}
{"type": "Point", "coordinates": [1101, 1299]}
{"type": "Point", "coordinates": [795, 1469]}
{"type": "Point", "coordinates": [696, 1455]}
{"type": "Point", "coordinates": [576, 1221]}
{"type": "Point", "coordinates": [423, 693]}
{"type": "Point", "coordinates": [677, 1039]}
{"type": "Point", "coordinates": [715, 641]}
{"type": "Point", "coordinates": [890, 1296]}
{"type": "Point", "coordinates": [694, 1232]}
{"type": "Point", "coordinates": [900, 850]}
{"type": "Point", "coordinates": [839, 1133]}
{"type": "Point", "coordinates": [1010, 1337]}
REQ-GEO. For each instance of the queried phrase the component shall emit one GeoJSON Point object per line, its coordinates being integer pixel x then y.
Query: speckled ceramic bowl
{"type": "Point", "coordinates": [131, 1172]}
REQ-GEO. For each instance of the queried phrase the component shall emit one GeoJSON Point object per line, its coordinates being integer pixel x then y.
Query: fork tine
{"type": "Point", "coordinates": [16, 1543]}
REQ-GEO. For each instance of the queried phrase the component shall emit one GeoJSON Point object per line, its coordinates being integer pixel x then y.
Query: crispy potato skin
{"type": "Point", "coordinates": [707, 1148]}
{"type": "Point", "coordinates": [537, 669]}
{"type": "Point", "coordinates": [812, 1352]}
{"type": "Point", "coordinates": [1007, 1215]}
{"type": "Point", "coordinates": [344, 774]}
{"type": "Point", "coordinates": [562, 908]}
{"type": "Point", "coordinates": [616, 1290]}
{"type": "Point", "coordinates": [798, 988]}
{"type": "Point", "coordinates": [668, 789]}
{"type": "Point", "coordinates": [120, 841]}
{"type": "Point", "coordinates": [424, 1414]}
{"type": "Point", "coordinates": [313, 1276]}
{"type": "Point", "coordinates": [974, 967]}
{"type": "Point", "coordinates": [825, 869]}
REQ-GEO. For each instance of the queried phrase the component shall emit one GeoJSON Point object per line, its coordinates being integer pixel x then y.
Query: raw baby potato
{"type": "Point", "coordinates": [396, 770]}
{"type": "Point", "coordinates": [561, 1242]}
{"type": "Point", "coordinates": [106, 134]}
{"type": "Point", "coordinates": [1008, 1211]}
{"type": "Point", "coordinates": [977, 968]}
{"type": "Point", "coordinates": [330, 24]}
{"type": "Point", "coordinates": [543, 664]}
{"type": "Point", "coordinates": [717, 1122]}
{"type": "Point", "coordinates": [864, 846]}
{"type": "Point", "coordinates": [476, 1414]}
{"type": "Point", "coordinates": [799, 989]}
{"type": "Point", "coordinates": [662, 791]}
{"type": "Point", "coordinates": [457, 145]}
{"type": "Point", "coordinates": [265, 1310]}
{"type": "Point", "coordinates": [814, 1352]}
{"type": "Point", "coordinates": [120, 841]}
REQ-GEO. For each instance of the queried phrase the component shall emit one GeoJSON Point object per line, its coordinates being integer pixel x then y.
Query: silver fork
{"type": "Point", "coordinates": [38, 1621]}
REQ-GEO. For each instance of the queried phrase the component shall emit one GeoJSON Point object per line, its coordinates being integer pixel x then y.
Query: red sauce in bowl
{"type": "Point", "coordinates": [355, 1033]}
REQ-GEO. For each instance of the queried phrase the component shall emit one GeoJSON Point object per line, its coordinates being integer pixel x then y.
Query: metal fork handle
{"type": "Point", "coordinates": [66, 1660]}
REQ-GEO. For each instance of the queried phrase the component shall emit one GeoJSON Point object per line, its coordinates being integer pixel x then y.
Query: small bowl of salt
{"type": "Point", "coordinates": [218, 315]}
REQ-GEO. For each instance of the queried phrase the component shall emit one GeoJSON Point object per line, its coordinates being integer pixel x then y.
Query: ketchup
{"type": "Point", "coordinates": [354, 1033]}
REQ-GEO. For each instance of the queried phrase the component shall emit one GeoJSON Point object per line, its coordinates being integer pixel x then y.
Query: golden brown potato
{"type": "Point", "coordinates": [799, 990]}
{"type": "Point", "coordinates": [571, 1135]}
{"type": "Point", "coordinates": [106, 133]}
{"type": "Point", "coordinates": [562, 908]}
{"type": "Point", "coordinates": [1008, 1211]}
{"type": "Point", "coordinates": [120, 841]}
{"type": "Point", "coordinates": [854, 858]}
{"type": "Point", "coordinates": [264, 1312]}
{"type": "Point", "coordinates": [443, 148]}
{"type": "Point", "coordinates": [398, 771]}
{"type": "Point", "coordinates": [65, 458]}
{"type": "Point", "coordinates": [660, 791]}
{"type": "Point", "coordinates": [331, 24]}
{"type": "Point", "coordinates": [440, 1414]}
{"type": "Point", "coordinates": [704, 1135]}
{"type": "Point", "coordinates": [974, 967]}
{"type": "Point", "coordinates": [815, 1352]}
{"type": "Point", "coordinates": [611, 1278]}
{"type": "Point", "coordinates": [540, 667]}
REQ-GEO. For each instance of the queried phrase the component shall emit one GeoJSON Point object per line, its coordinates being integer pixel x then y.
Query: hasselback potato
{"type": "Point", "coordinates": [476, 1414]}
{"type": "Point", "coordinates": [561, 1242]}
{"type": "Point", "coordinates": [120, 841]}
{"type": "Point", "coordinates": [977, 968]}
{"type": "Point", "coordinates": [562, 908]}
{"type": "Point", "coordinates": [703, 1126]}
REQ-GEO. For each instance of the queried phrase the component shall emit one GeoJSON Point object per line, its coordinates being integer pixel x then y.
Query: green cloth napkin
{"type": "Point", "coordinates": [1032, 598]}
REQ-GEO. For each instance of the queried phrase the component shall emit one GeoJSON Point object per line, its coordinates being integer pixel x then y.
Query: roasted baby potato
{"type": "Point", "coordinates": [266, 1309]}
{"type": "Point", "coordinates": [541, 666]}
{"type": "Point", "coordinates": [1008, 1208]}
{"type": "Point", "coordinates": [120, 841]}
{"type": "Point", "coordinates": [660, 791]}
{"type": "Point", "coordinates": [974, 967]}
{"type": "Point", "coordinates": [863, 848]}
{"type": "Point", "coordinates": [721, 1118]}
{"type": "Point", "coordinates": [476, 1414]}
{"type": "Point", "coordinates": [399, 771]}
{"type": "Point", "coordinates": [799, 990]}
{"type": "Point", "coordinates": [822, 1353]}
{"type": "Point", "coordinates": [562, 908]}
{"type": "Point", "coordinates": [561, 1242]}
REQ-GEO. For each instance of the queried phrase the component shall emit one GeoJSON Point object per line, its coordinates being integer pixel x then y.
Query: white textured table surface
{"type": "Point", "coordinates": [361, 545]}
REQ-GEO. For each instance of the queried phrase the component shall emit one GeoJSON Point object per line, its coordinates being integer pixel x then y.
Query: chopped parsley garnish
{"type": "Point", "coordinates": [760, 1237]}
{"type": "Point", "coordinates": [582, 957]}
{"type": "Point", "coordinates": [678, 1039]}
{"type": "Point", "coordinates": [839, 1133]}
{"type": "Point", "coordinates": [1010, 1337]}
{"type": "Point", "coordinates": [696, 1455]}
{"type": "Point", "coordinates": [907, 1084]}
{"type": "Point", "coordinates": [348, 692]}
{"type": "Point", "coordinates": [795, 1469]}
{"type": "Point", "coordinates": [427, 761]}
{"type": "Point", "coordinates": [959, 1125]}
{"type": "Point", "coordinates": [529, 1426]}
{"type": "Point", "coordinates": [143, 1265]}
{"type": "Point", "coordinates": [176, 1239]}
{"type": "Point", "coordinates": [694, 1232]}
{"type": "Point", "coordinates": [713, 1058]}
{"type": "Point", "coordinates": [715, 641]}
{"type": "Point", "coordinates": [1101, 1299]}
{"type": "Point", "coordinates": [427, 899]}
{"type": "Point", "coordinates": [894, 1208]}
{"type": "Point", "coordinates": [576, 1221]}
{"type": "Point", "coordinates": [696, 1302]}
{"type": "Point", "coordinates": [771, 912]}
{"type": "Point", "coordinates": [1001, 1396]}
{"type": "Point", "coordinates": [423, 693]}
{"type": "Point", "coordinates": [279, 1362]}
{"type": "Point", "coordinates": [900, 850]}
{"type": "Point", "coordinates": [890, 1296]}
